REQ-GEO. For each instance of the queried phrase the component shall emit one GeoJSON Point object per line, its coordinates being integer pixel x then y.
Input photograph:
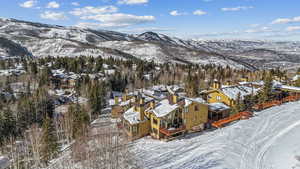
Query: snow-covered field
{"type": "Point", "coordinates": [270, 140]}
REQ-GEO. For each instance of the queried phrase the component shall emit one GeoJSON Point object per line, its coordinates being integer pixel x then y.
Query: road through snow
{"type": "Point", "coordinates": [270, 140]}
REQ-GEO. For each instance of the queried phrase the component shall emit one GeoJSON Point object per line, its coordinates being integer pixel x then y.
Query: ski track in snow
{"type": "Point", "coordinates": [269, 140]}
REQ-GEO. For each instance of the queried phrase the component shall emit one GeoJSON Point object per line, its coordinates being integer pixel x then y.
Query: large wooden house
{"type": "Point", "coordinates": [134, 121]}
{"type": "Point", "coordinates": [165, 119]}
{"type": "Point", "coordinates": [229, 94]}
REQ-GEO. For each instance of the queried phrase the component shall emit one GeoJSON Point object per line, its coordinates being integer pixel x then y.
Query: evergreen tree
{"type": "Point", "coordinates": [97, 95]}
{"type": "Point", "coordinates": [44, 77]}
{"type": "Point", "coordinates": [1, 130]}
{"type": "Point", "coordinates": [266, 92]}
{"type": "Point", "coordinates": [33, 68]}
{"type": "Point", "coordinates": [237, 107]}
{"type": "Point", "coordinates": [297, 82]}
{"type": "Point", "coordinates": [9, 124]}
{"type": "Point", "coordinates": [49, 145]}
{"type": "Point", "coordinates": [79, 119]}
{"type": "Point", "coordinates": [192, 85]}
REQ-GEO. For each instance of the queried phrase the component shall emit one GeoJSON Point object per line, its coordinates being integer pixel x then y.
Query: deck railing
{"type": "Point", "coordinates": [272, 103]}
{"type": "Point", "coordinates": [234, 117]}
{"type": "Point", "coordinates": [169, 132]}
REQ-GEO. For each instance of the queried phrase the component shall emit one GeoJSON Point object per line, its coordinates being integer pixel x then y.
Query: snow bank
{"type": "Point", "coordinates": [268, 140]}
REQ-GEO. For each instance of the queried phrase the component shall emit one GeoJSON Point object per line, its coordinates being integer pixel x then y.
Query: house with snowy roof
{"type": "Point", "coordinates": [229, 94]}
{"type": "Point", "coordinates": [176, 115]}
{"type": "Point", "coordinates": [165, 119]}
{"type": "Point", "coordinates": [134, 121]}
{"type": "Point", "coordinates": [218, 111]}
{"type": "Point", "coordinates": [124, 101]}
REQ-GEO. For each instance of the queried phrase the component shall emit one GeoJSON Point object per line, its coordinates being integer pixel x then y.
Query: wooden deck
{"type": "Point", "coordinates": [237, 116]}
{"type": "Point", "coordinates": [291, 98]}
{"type": "Point", "coordinates": [169, 132]}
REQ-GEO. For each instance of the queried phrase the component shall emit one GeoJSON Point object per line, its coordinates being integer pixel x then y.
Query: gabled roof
{"type": "Point", "coordinates": [296, 77]}
{"type": "Point", "coordinates": [163, 108]}
{"type": "Point", "coordinates": [292, 88]}
{"type": "Point", "coordinates": [218, 107]}
{"type": "Point", "coordinates": [133, 117]}
{"type": "Point", "coordinates": [233, 91]}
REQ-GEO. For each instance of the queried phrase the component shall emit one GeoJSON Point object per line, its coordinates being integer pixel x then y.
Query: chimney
{"type": "Point", "coordinates": [175, 98]}
{"type": "Point", "coordinates": [116, 100]}
{"type": "Point", "coordinates": [228, 83]}
{"type": "Point", "coordinates": [142, 101]}
{"type": "Point", "coordinates": [141, 108]}
{"type": "Point", "coordinates": [125, 95]}
{"type": "Point", "coordinates": [216, 84]}
{"type": "Point", "coordinates": [152, 104]}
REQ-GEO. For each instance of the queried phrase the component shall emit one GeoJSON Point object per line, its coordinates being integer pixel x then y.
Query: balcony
{"type": "Point", "coordinates": [172, 131]}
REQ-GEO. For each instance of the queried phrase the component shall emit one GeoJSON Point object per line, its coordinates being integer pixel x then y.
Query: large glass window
{"type": "Point", "coordinates": [154, 121]}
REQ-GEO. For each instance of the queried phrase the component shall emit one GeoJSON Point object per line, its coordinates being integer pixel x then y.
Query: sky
{"type": "Point", "coordinates": [199, 19]}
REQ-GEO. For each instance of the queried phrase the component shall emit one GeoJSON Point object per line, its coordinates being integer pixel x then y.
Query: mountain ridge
{"type": "Point", "coordinates": [41, 40]}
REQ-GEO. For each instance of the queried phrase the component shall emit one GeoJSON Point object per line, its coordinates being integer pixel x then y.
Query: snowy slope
{"type": "Point", "coordinates": [270, 140]}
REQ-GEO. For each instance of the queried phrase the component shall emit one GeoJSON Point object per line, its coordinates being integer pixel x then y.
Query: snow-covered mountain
{"type": "Point", "coordinates": [22, 38]}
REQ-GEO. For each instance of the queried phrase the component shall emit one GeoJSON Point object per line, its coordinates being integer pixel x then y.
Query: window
{"type": "Point", "coordinates": [186, 109]}
{"type": "Point", "coordinates": [218, 98]}
{"type": "Point", "coordinates": [134, 130]}
{"type": "Point", "coordinates": [154, 121]}
{"type": "Point", "coordinates": [196, 108]}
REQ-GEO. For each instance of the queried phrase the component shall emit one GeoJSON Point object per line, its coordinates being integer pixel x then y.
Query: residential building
{"type": "Point", "coordinates": [165, 119]}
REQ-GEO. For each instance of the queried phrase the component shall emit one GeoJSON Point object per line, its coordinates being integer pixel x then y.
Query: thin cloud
{"type": "Point", "coordinates": [293, 28]}
{"type": "Point", "coordinates": [286, 20]}
{"type": "Point", "coordinates": [132, 2]}
{"type": "Point", "coordinates": [149, 29]}
{"type": "Point", "coordinates": [115, 20]}
{"type": "Point", "coordinates": [259, 30]}
{"type": "Point", "coordinates": [234, 9]}
{"type": "Point", "coordinates": [28, 4]}
{"type": "Point", "coordinates": [53, 15]}
{"type": "Point", "coordinates": [75, 4]}
{"type": "Point", "coordinates": [177, 13]}
{"type": "Point", "coordinates": [90, 10]}
{"type": "Point", "coordinates": [199, 12]}
{"type": "Point", "coordinates": [53, 4]}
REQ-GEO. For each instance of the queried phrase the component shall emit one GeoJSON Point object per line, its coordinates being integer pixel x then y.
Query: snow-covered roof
{"type": "Point", "coordinates": [187, 102]}
{"type": "Point", "coordinates": [133, 117]}
{"type": "Point", "coordinates": [197, 99]}
{"type": "Point", "coordinates": [258, 83]}
{"type": "Point", "coordinates": [116, 94]}
{"type": "Point", "coordinates": [296, 77]}
{"type": "Point", "coordinates": [159, 88]}
{"type": "Point", "coordinates": [163, 108]}
{"type": "Point", "coordinates": [110, 71]}
{"type": "Point", "coordinates": [127, 102]}
{"type": "Point", "coordinates": [9, 72]}
{"type": "Point", "coordinates": [154, 94]}
{"type": "Point", "coordinates": [218, 107]}
{"type": "Point", "coordinates": [290, 87]}
{"type": "Point", "coordinates": [233, 91]}
{"type": "Point", "coordinates": [4, 162]}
